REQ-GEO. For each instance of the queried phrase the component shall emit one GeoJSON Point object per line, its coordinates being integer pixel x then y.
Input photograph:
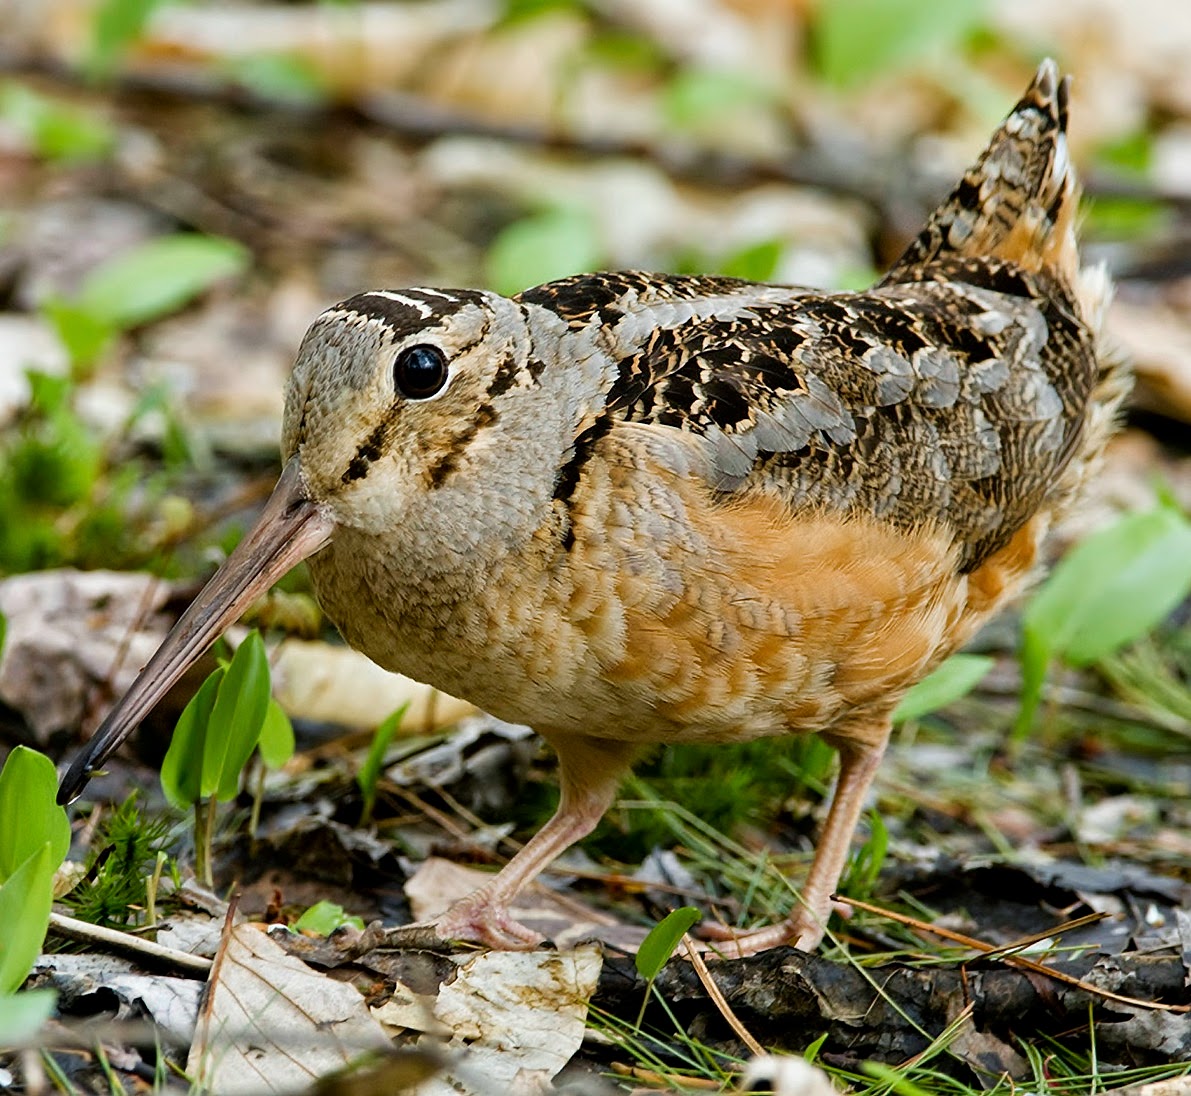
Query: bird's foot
{"type": "Point", "coordinates": [480, 920]}
{"type": "Point", "coordinates": [472, 920]}
{"type": "Point", "coordinates": [803, 930]}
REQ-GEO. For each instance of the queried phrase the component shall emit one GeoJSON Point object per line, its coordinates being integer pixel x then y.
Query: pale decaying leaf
{"type": "Point", "coordinates": [171, 1003]}
{"type": "Point", "coordinates": [333, 684]}
{"type": "Point", "coordinates": [273, 1024]}
{"type": "Point", "coordinates": [514, 1019]}
{"type": "Point", "coordinates": [75, 638]}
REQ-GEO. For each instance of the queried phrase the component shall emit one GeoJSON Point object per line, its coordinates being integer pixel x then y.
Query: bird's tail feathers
{"type": "Point", "coordinates": [1018, 201]}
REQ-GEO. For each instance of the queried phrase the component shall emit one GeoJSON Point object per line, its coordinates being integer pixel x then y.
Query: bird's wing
{"type": "Point", "coordinates": [956, 401]}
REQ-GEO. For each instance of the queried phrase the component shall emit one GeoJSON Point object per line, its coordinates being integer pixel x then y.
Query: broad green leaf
{"type": "Point", "coordinates": [663, 938]}
{"type": "Point", "coordinates": [757, 262]}
{"type": "Point", "coordinates": [1114, 587]}
{"type": "Point", "coordinates": [29, 815]}
{"type": "Point", "coordinates": [236, 719]}
{"type": "Point", "coordinates": [182, 769]}
{"type": "Point", "coordinates": [117, 25]}
{"type": "Point", "coordinates": [1108, 591]}
{"type": "Point", "coordinates": [699, 96]}
{"type": "Point", "coordinates": [369, 772]}
{"type": "Point", "coordinates": [541, 248]}
{"type": "Point", "coordinates": [278, 76]}
{"type": "Point", "coordinates": [324, 918]}
{"type": "Point", "coordinates": [956, 677]}
{"type": "Point", "coordinates": [277, 736]}
{"type": "Point", "coordinates": [84, 336]}
{"type": "Point", "coordinates": [854, 40]}
{"type": "Point", "coordinates": [22, 1015]}
{"type": "Point", "coordinates": [56, 130]}
{"type": "Point", "coordinates": [158, 277]}
{"type": "Point", "coordinates": [25, 901]}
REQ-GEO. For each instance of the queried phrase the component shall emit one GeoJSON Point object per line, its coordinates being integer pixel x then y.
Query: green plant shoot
{"type": "Point", "coordinates": [659, 945]}
{"type": "Point", "coordinates": [324, 918]}
{"type": "Point", "coordinates": [29, 817]}
{"type": "Point", "coordinates": [1107, 592]}
{"type": "Point", "coordinates": [955, 678]}
{"type": "Point", "coordinates": [369, 772]}
{"type": "Point", "coordinates": [214, 738]}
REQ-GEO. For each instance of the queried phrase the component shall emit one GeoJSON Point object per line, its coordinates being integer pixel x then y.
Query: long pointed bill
{"type": "Point", "coordinates": [290, 528]}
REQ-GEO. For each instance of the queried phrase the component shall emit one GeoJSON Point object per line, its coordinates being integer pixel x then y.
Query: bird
{"type": "Point", "coordinates": [632, 509]}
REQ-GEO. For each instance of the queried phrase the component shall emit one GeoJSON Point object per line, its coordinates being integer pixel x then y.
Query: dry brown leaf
{"type": "Point", "coordinates": [273, 1024]}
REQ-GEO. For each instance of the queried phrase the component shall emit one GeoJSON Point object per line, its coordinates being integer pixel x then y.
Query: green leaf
{"type": "Point", "coordinates": [3, 632]}
{"type": "Point", "coordinates": [23, 1014]}
{"type": "Point", "coordinates": [277, 736]}
{"type": "Point", "coordinates": [369, 772]}
{"type": "Point", "coordinates": [855, 40]}
{"type": "Point", "coordinates": [697, 96]}
{"type": "Point", "coordinates": [56, 130]}
{"type": "Point", "coordinates": [278, 76]}
{"type": "Point", "coordinates": [1114, 587]}
{"type": "Point", "coordinates": [756, 263]}
{"type": "Point", "coordinates": [158, 277]}
{"type": "Point", "coordinates": [663, 938]}
{"type": "Point", "coordinates": [236, 719]}
{"type": "Point", "coordinates": [956, 677]}
{"type": "Point", "coordinates": [1108, 591]}
{"type": "Point", "coordinates": [29, 815]}
{"type": "Point", "coordinates": [25, 901]}
{"type": "Point", "coordinates": [182, 769]}
{"type": "Point", "coordinates": [117, 25]}
{"type": "Point", "coordinates": [543, 247]}
{"type": "Point", "coordinates": [324, 918]}
{"type": "Point", "coordinates": [84, 336]}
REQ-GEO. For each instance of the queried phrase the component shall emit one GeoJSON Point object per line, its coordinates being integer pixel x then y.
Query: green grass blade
{"type": "Point", "coordinates": [369, 772]}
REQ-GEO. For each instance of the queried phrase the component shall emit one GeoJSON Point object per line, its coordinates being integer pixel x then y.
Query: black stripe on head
{"type": "Point", "coordinates": [408, 310]}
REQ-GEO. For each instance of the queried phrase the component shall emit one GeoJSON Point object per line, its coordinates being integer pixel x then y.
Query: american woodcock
{"type": "Point", "coordinates": [632, 508]}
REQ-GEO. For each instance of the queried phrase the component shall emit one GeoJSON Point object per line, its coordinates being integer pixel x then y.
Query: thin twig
{"type": "Point", "coordinates": [994, 951]}
{"type": "Point", "coordinates": [124, 942]}
{"type": "Point", "coordinates": [717, 996]}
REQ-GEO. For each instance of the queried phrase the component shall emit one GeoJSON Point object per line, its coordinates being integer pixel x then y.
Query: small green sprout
{"type": "Point", "coordinates": [323, 918]}
{"type": "Point", "coordinates": [214, 738]}
{"type": "Point", "coordinates": [152, 280]}
{"type": "Point", "coordinates": [659, 945]}
{"type": "Point", "coordinates": [369, 772]}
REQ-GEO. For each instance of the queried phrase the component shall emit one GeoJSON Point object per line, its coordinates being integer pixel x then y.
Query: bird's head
{"type": "Point", "coordinates": [417, 410]}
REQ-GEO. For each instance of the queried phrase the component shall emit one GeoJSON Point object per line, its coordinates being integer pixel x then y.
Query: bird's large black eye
{"type": "Point", "coordinates": [420, 371]}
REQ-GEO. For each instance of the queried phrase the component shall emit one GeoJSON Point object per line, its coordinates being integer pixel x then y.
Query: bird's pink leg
{"type": "Point", "coordinates": [590, 770]}
{"type": "Point", "coordinates": [804, 928]}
